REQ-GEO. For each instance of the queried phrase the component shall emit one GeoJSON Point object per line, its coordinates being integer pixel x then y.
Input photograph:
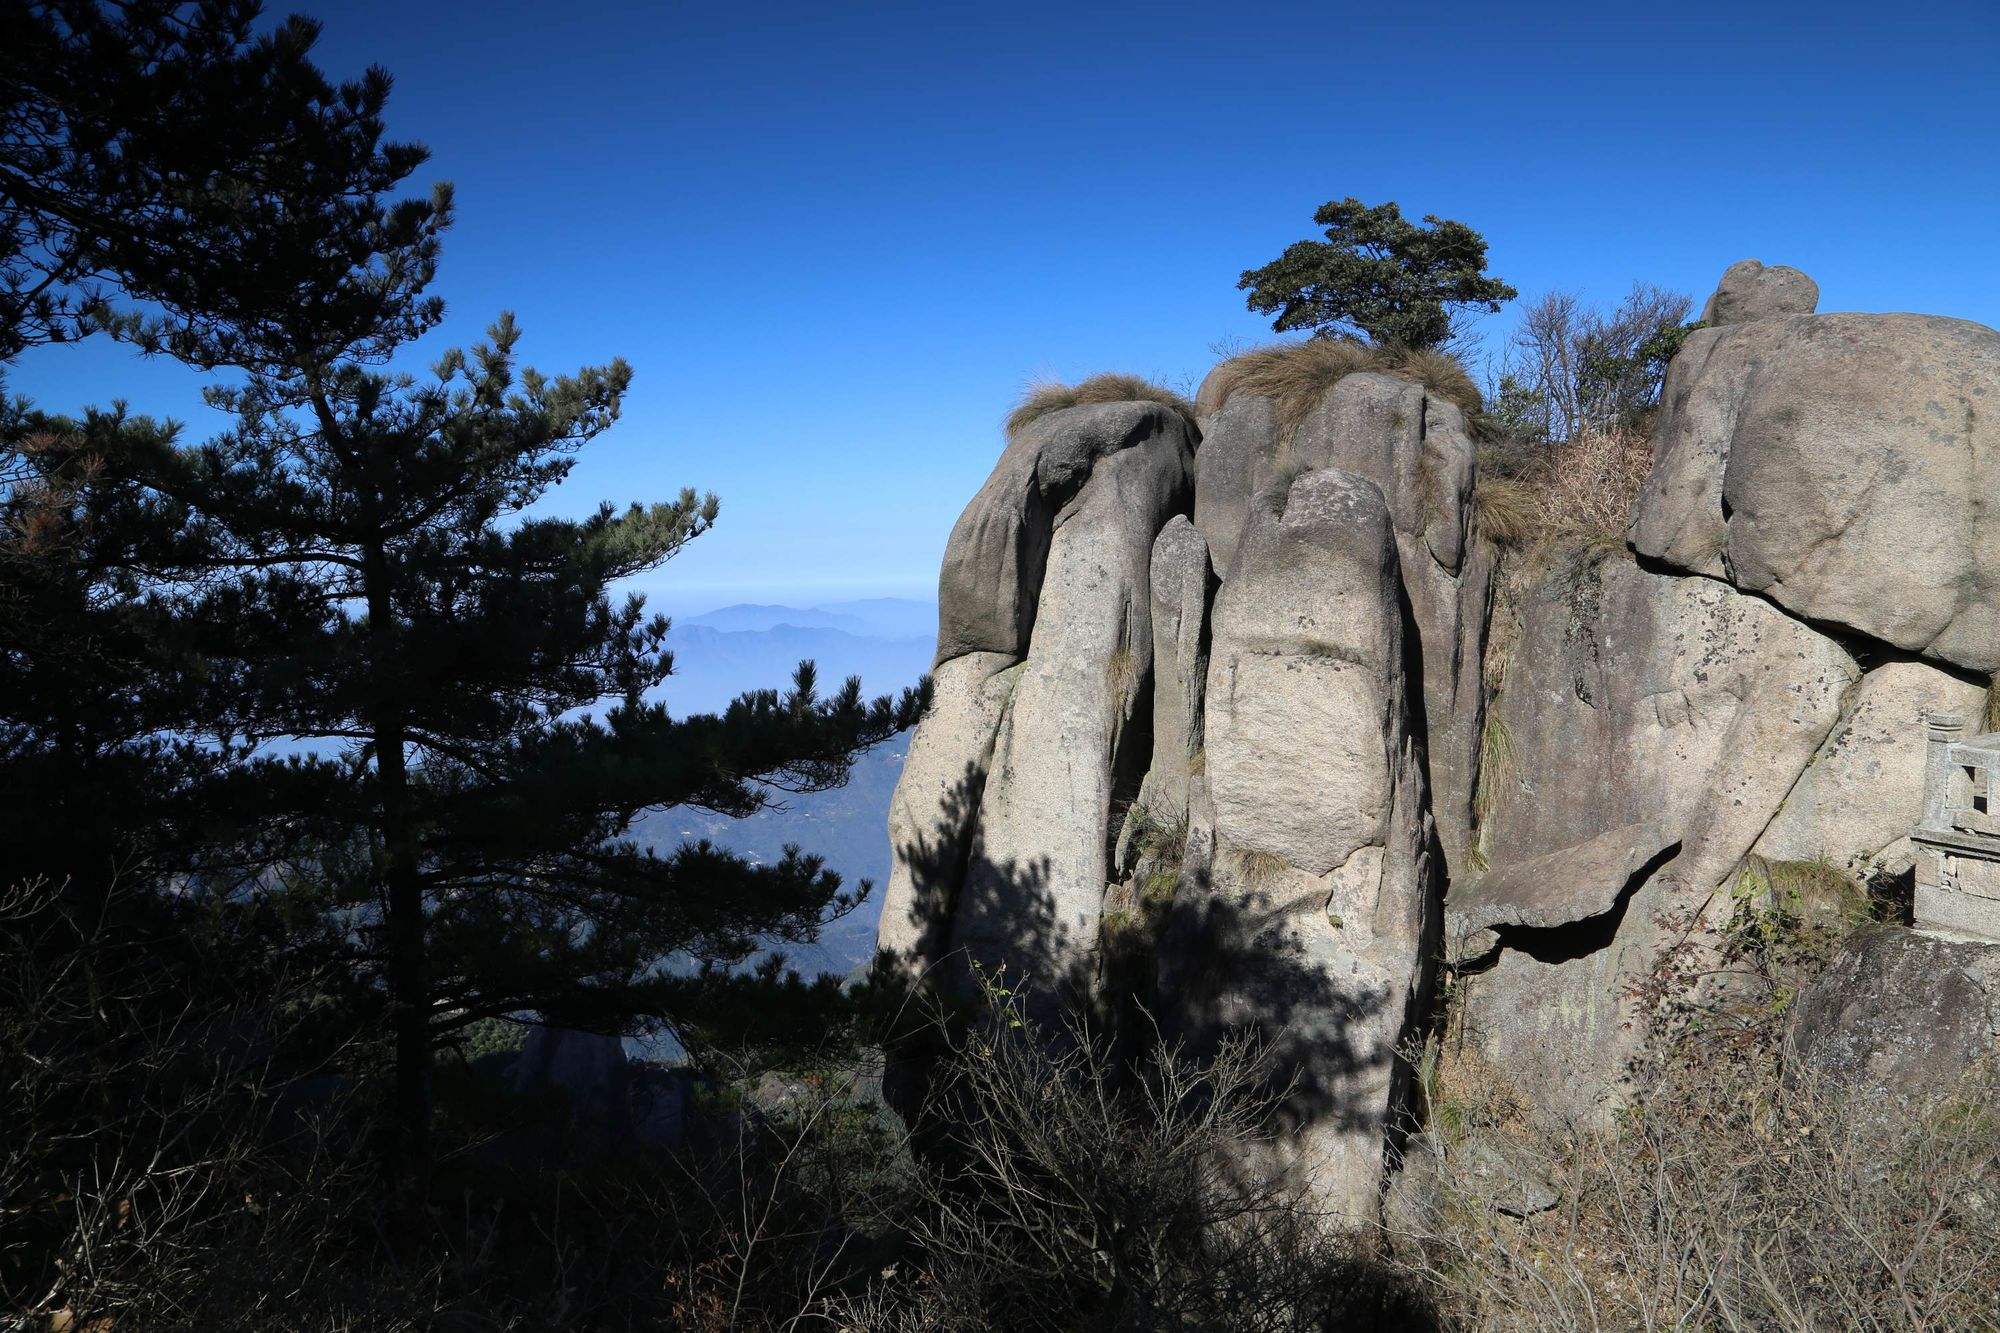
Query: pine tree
{"type": "Point", "coordinates": [352, 570]}
{"type": "Point", "coordinates": [1379, 275]}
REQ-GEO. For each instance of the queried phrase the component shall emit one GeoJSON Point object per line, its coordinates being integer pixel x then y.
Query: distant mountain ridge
{"type": "Point", "coordinates": [874, 617]}
{"type": "Point", "coordinates": [887, 641]}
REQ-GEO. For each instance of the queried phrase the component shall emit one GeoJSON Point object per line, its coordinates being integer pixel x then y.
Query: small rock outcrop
{"type": "Point", "coordinates": [1899, 1019]}
{"type": "Point", "coordinates": [1749, 291]}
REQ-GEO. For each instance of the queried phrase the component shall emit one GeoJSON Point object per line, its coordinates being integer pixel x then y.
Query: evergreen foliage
{"type": "Point", "coordinates": [350, 575]}
{"type": "Point", "coordinates": [1378, 275]}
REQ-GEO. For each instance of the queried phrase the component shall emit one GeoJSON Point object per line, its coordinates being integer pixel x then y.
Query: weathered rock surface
{"type": "Point", "coordinates": [1416, 447]}
{"type": "Point", "coordinates": [1631, 698]}
{"type": "Point", "coordinates": [1239, 450]}
{"type": "Point", "coordinates": [1861, 794]}
{"type": "Point", "coordinates": [1750, 290]}
{"type": "Point", "coordinates": [1069, 748]}
{"type": "Point", "coordinates": [1316, 920]}
{"type": "Point", "coordinates": [1842, 466]}
{"type": "Point", "coordinates": [1899, 1018]}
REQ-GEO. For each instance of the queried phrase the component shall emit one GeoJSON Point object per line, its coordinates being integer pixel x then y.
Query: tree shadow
{"type": "Point", "coordinates": [1238, 964]}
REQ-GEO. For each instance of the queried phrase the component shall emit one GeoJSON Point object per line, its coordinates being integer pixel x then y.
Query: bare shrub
{"type": "Point", "coordinates": [1806, 1217]}
{"type": "Point", "coordinates": [1054, 396]}
{"type": "Point", "coordinates": [165, 1163]}
{"type": "Point", "coordinates": [1571, 370]}
{"type": "Point", "coordinates": [1575, 496]}
{"type": "Point", "coordinates": [1069, 1190]}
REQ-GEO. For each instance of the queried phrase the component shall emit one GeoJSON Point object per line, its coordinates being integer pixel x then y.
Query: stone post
{"type": "Point", "coordinates": [1941, 730]}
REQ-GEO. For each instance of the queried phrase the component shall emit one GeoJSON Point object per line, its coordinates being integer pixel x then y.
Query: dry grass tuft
{"type": "Point", "coordinates": [1295, 376]}
{"type": "Point", "coordinates": [1574, 496]}
{"type": "Point", "coordinates": [1121, 671]}
{"type": "Point", "coordinates": [1496, 772]}
{"type": "Point", "coordinates": [1991, 721]}
{"type": "Point", "coordinates": [1441, 374]}
{"type": "Point", "coordinates": [1054, 396]}
{"type": "Point", "coordinates": [1506, 510]}
{"type": "Point", "coordinates": [1261, 869]}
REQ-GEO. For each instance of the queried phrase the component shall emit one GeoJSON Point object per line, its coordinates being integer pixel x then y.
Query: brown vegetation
{"type": "Point", "coordinates": [1723, 1196]}
{"type": "Point", "coordinates": [1574, 496]}
{"type": "Point", "coordinates": [1071, 1189]}
{"type": "Point", "coordinates": [1295, 376]}
{"type": "Point", "coordinates": [1053, 396]}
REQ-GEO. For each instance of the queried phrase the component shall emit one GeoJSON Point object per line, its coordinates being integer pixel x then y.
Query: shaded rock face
{"type": "Point", "coordinates": [1183, 582]}
{"type": "Point", "coordinates": [1314, 923]}
{"type": "Point", "coordinates": [1897, 1020]}
{"type": "Point", "coordinates": [1842, 466]}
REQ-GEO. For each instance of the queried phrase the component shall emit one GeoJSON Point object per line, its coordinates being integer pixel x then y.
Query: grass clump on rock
{"type": "Point", "coordinates": [1295, 376]}
{"type": "Point", "coordinates": [1053, 396]}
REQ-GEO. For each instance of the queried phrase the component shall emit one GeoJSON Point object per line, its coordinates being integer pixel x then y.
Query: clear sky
{"type": "Point", "coordinates": [836, 240]}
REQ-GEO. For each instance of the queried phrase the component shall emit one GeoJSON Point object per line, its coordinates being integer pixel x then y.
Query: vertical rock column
{"type": "Point", "coordinates": [1077, 736]}
{"type": "Point", "coordinates": [1001, 825]}
{"type": "Point", "coordinates": [1315, 925]}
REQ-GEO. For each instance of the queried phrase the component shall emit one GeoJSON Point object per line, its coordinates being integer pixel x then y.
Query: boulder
{"type": "Point", "coordinates": [590, 1069]}
{"type": "Point", "coordinates": [1631, 698]}
{"type": "Point", "coordinates": [1863, 791]}
{"type": "Point", "coordinates": [1898, 1019]}
{"type": "Point", "coordinates": [1316, 917]}
{"type": "Point", "coordinates": [1749, 291]}
{"type": "Point", "coordinates": [1075, 740]}
{"type": "Point", "coordinates": [992, 567]}
{"type": "Point", "coordinates": [1841, 466]}
{"type": "Point", "coordinates": [993, 564]}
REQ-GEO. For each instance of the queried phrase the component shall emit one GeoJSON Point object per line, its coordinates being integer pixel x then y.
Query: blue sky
{"type": "Point", "coordinates": [836, 241]}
